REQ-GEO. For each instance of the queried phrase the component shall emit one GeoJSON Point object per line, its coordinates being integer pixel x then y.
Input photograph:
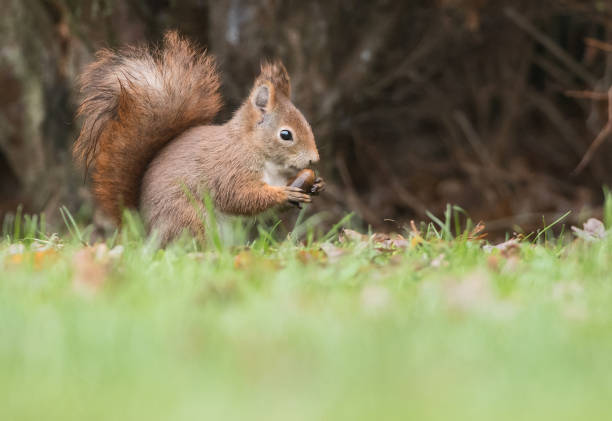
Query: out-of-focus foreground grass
{"type": "Point", "coordinates": [420, 327]}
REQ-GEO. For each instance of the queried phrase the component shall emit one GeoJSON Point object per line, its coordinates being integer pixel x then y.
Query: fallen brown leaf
{"type": "Point", "coordinates": [15, 254]}
{"type": "Point", "coordinates": [89, 272]}
{"type": "Point", "coordinates": [389, 242]}
{"type": "Point", "coordinates": [244, 259]}
{"type": "Point", "coordinates": [92, 265]}
{"type": "Point", "coordinates": [348, 235]}
{"type": "Point", "coordinates": [477, 232]}
{"type": "Point", "coordinates": [44, 256]}
{"type": "Point", "coordinates": [247, 260]}
{"type": "Point", "coordinates": [439, 261]}
{"type": "Point", "coordinates": [41, 253]}
{"type": "Point", "coordinates": [310, 256]}
{"type": "Point", "coordinates": [592, 230]}
{"type": "Point", "coordinates": [507, 248]}
{"type": "Point", "coordinates": [333, 252]}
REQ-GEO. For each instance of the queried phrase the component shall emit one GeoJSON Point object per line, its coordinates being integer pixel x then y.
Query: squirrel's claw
{"type": "Point", "coordinates": [296, 196]}
{"type": "Point", "coordinates": [318, 186]}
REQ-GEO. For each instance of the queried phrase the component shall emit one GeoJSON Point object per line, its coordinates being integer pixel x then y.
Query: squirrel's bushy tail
{"type": "Point", "coordinates": [134, 102]}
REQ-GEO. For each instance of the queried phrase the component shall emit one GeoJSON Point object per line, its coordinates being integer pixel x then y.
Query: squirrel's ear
{"type": "Point", "coordinates": [276, 73]}
{"type": "Point", "coordinates": [272, 80]}
{"type": "Point", "coordinates": [262, 96]}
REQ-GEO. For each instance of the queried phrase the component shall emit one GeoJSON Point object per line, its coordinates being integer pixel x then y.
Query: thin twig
{"type": "Point", "coordinates": [599, 140]}
{"type": "Point", "coordinates": [473, 138]}
{"type": "Point", "coordinates": [351, 195]}
{"type": "Point", "coordinates": [550, 45]}
{"type": "Point", "coordinates": [601, 45]}
{"type": "Point", "coordinates": [557, 119]}
{"type": "Point", "coordinates": [595, 96]}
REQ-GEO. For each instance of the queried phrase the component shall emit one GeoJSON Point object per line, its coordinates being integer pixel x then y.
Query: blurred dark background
{"type": "Point", "coordinates": [486, 104]}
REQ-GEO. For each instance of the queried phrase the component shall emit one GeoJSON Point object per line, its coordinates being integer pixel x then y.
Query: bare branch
{"type": "Point", "coordinates": [601, 45]}
{"type": "Point", "coordinates": [599, 140]}
{"type": "Point", "coordinates": [595, 96]}
{"type": "Point", "coordinates": [577, 68]}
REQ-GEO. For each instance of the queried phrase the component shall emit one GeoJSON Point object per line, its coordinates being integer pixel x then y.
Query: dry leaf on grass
{"type": "Point", "coordinates": [389, 242]}
{"type": "Point", "coordinates": [15, 254]}
{"type": "Point", "coordinates": [385, 242]}
{"type": "Point", "coordinates": [89, 273]}
{"type": "Point", "coordinates": [40, 253]}
{"type": "Point", "coordinates": [310, 256]}
{"type": "Point", "coordinates": [439, 261]}
{"type": "Point", "coordinates": [44, 256]}
{"type": "Point", "coordinates": [333, 253]}
{"type": "Point", "coordinates": [348, 235]}
{"type": "Point", "coordinates": [415, 237]}
{"type": "Point", "coordinates": [244, 259]}
{"type": "Point", "coordinates": [91, 267]}
{"type": "Point", "coordinates": [592, 230]}
{"type": "Point", "coordinates": [493, 262]}
{"type": "Point", "coordinates": [507, 248]}
{"type": "Point", "coordinates": [503, 263]}
{"type": "Point", "coordinates": [477, 232]}
{"type": "Point", "coordinates": [247, 260]}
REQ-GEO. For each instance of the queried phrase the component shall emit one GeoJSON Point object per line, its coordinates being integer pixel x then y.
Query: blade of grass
{"type": "Point", "coordinates": [17, 224]}
{"type": "Point", "coordinates": [208, 219]}
{"type": "Point", "coordinates": [295, 232]}
{"type": "Point", "coordinates": [607, 207]}
{"type": "Point", "coordinates": [42, 226]}
{"type": "Point", "coordinates": [266, 237]}
{"type": "Point", "coordinates": [211, 227]}
{"type": "Point", "coordinates": [334, 230]}
{"type": "Point", "coordinates": [444, 226]}
{"type": "Point", "coordinates": [71, 224]}
{"type": "Point", "coordinates": [548, 227]}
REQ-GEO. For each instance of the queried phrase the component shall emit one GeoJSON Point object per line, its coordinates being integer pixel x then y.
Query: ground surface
{"type": "Point", "coordinates": [370, 328]}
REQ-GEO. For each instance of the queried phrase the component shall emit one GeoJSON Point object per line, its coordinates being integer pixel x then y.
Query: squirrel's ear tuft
{"type": "Point", "coordinates": [276, 73]}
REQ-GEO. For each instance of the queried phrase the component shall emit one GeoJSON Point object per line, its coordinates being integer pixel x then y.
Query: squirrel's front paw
{"type": "Point", "coordinates": [295, 195]}
{"type": "Point", "coordinates": [318, 186]}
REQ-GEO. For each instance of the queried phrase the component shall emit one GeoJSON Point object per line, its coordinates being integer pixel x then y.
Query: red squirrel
{"type": "Point", "coordinates": [148, 136]}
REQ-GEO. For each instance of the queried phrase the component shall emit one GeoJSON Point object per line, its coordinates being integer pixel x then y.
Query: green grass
{"type": "Point", "coordinates": [441, 330]}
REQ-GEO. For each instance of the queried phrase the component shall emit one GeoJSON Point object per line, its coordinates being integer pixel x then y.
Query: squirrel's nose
{"type": "Point", "coordinates": [314, 159]}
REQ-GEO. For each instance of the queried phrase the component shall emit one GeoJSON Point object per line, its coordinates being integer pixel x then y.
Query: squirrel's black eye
{"type": "Point", "coordinates": [286, 135]}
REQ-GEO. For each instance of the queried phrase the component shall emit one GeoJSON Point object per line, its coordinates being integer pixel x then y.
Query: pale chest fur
{"type": "Point", "coordinates": [273, 174]}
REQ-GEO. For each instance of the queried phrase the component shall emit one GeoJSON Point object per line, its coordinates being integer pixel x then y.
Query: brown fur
{"type": "Point", "coordinates": [134, 102]}
{"type": "Point", "coordinates": [150, 148]}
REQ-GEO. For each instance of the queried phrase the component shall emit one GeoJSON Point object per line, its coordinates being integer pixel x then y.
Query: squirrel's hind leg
{"type": "Point", "coordinates": [168, 223]}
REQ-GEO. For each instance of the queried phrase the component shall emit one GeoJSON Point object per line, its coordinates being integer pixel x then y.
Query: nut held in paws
{"type": "Point", "coordinates": [304, 180]}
